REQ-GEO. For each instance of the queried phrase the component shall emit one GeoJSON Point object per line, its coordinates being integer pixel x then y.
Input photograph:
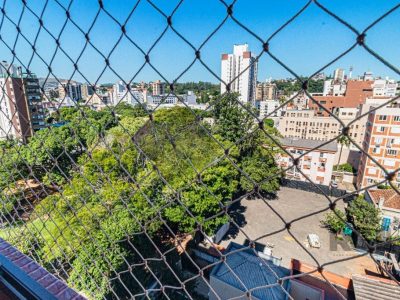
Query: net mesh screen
{"type": "Point", "coordinates": [143, 201]}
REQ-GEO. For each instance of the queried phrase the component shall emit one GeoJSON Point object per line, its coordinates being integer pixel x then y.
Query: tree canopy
{"type": "Point", "coordinates": [125, 178]}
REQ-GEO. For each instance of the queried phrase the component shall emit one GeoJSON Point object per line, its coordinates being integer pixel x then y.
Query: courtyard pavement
{"type": "Point", "coordinates": [259, 222]}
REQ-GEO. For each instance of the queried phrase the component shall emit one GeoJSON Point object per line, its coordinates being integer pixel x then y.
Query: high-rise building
{"type": "Point", "coordinates": [382, 142]}
{"type": "Point", "coordinates": [133, 96]}
{"type": "Point", "coordinates": [70, 91]}
{"type": "Point", "coordinates": [33, 96]}
{"type": "Point", "coordinates": [266, 91]}
{"type": "Point", "coordinates": [158, 88]}
{"type": "Point", "coordinates": [239, 70]}
{"type": "Point", "coordinates": [87, 90]}
{"type": "Point", "coordinates": [20, 104]}
{"type": "Point", "coordinates": [338, 75]}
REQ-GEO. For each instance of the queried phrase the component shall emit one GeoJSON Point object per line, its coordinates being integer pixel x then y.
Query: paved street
{"type": "Point", "coordinates": [261, 223]}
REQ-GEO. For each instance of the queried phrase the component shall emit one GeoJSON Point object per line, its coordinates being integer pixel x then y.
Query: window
{"type": "Point", "coordinates": [378, 140]}
{"type": "Point", "coordinates": [381, 129]}
{"type": "Point", "coordinates": [382, 118]}
{"type": "Point", "coordinates": [389, 162]}
{"type": "Point", "coordinates": [395, 129]}
{"type": "Point", "coordinates": [391, 152]}
{"type": "Point", "coordinates": [396, 118]}
{"type": "Point", "coordinates": [372, 171]}
{"type": "Point", "coordinates": [375, 150]}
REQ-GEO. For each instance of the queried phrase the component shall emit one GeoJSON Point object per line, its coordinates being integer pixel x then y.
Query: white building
{"type": "Point", "coordinates": [334, 88]}
{"type": "Point", "coordinates": [317, 165]}
{"type": "Point", "coordinates": [384, 88]}
{"type": "Point", "coordinates": [171, 100]}
{"type": "Point", "coordinates": [70, 90]}
{"type": "Point", "coordinates": [239, 69]}
{"type": "Point", "coordinates": [121, 94]}
{"type": "Point", "coordinates": [269, 109]}
{"type": "Point", "coordinates": [368, 76]}
{"type": "Point", "coordinates": [338, 75]}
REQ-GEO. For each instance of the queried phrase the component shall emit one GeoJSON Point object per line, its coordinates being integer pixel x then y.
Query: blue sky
{"type": "Point", "coordinates": [306, 45]}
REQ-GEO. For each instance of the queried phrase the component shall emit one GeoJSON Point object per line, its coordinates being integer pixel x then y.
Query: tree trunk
{"type": "Point", "coordinates": [340, 154]}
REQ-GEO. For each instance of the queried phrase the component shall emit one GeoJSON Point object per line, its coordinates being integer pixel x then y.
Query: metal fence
{"type": "Point", "coordinates": [89, 199]}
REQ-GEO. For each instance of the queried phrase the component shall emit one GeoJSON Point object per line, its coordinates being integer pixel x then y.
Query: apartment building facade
{"type": "Point", "coordinates": [352, 94]}
{"type": "Point", "coordinates": [270, 109]}
{"type": "Point", "coordinates": [21, 106]}
{"type": "Point", "coordinates": [70, 90]}
{"type": "Point", "coordinates": [33, 97]}
{"type": "Point", "coordinates": [158, 88]}
{"type": "Point", "coordinates": [382, 142]}
{"type": "Point", "coordinates": [266, 91]}
{"type": "Point", "coordinates": [317, 165]}
{"type": "Point", "coordinates": [239, 69]}
{"type": "Point", "coordinates": [304, 124]}
{"type": "Point", "coordinates": [87, 91]}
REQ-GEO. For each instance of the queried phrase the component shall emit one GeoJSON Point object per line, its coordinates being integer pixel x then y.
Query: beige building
{"type": "Point", "coordinates": [158, 88]}
{"type": "Point", "coordinates": [303, 124]}
{"type": "Point", "coordinates": [266, 91]}
{"type": "Point", "coordinates": [87, 91]}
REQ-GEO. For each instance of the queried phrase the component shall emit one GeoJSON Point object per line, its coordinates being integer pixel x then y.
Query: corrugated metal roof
{"type": "Point", "coordinates": [253, 272]}
{"type": "Point", "coordinates": [367, 288]}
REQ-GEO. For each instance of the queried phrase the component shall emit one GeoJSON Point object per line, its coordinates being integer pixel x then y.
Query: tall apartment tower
{"type": "Point", "coordinates": [240, 70]}
{"type": "Point", "coordinates": [158, 88]}
{"type": "Point", "coordinates": [87, 91]}
{"type": "Point", "coordinates": [70, 91]}
{"type": "Point", "coordinates": [382, 142]}
{"type": "Point", "coordinates": [338, 75]}
{"type": "Point", "coordinates": [20, 105]}
{"type": "Point", "coordinates": [266, 91]}
{"type": "Point", "coordinates": [33, 97]}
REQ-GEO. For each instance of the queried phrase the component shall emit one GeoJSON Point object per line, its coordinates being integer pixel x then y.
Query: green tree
{"type": "Point", "coordinates": [343, 141]}
{"type": "Point", "coordinates": [334, 221]}
{"type": "Point", "coordinates": [365, 218]}
{"type": "Point", "coordinates": [261, 169]}
{"type": "Point", "coordinates": [344, 167]}
{"type": "Point", "coordinates": [235, 124]}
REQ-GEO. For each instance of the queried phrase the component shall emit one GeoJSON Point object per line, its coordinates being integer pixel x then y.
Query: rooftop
{"type": "Point", "coordinates": [368, 288]}
{"type": "Point", "coordinates": [309, 144]}
{"type": "Point", "coordinates": [253, 273]}
{"type": "Point", "coordinates": [391, 199]}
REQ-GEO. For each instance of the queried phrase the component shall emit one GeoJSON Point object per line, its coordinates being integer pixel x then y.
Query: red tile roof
{"type": "Point", "coordinates": [391, 198]}
{"type": "Point", "coordinates": [356, 93]}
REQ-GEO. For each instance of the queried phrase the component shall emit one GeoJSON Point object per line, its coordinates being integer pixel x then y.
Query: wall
{"type": "Point", "coordinates": [302, 291]}
{"type": "Point", "coordinates": [225, 291]}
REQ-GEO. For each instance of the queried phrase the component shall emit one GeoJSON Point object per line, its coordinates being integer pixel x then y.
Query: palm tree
{"type": "Point", "coordinates": [342, 140]}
